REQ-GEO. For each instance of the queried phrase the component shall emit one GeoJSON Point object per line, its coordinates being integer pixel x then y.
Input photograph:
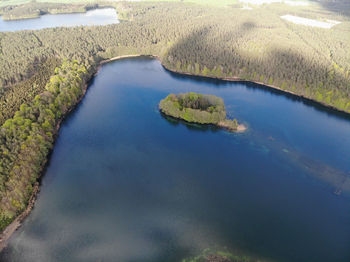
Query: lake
{"type": "Point", "coordinates": [102, 16]}
{"type": "Point", "coordinates": [124, 183]}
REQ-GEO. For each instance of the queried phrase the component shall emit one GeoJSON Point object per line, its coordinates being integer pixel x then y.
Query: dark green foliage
{"type": "Point", "coordinates": [26, 139]}
{"type": "Point", "coordinates": [193, 107]}
{"type": "Point", "coordinates": [201, 102]}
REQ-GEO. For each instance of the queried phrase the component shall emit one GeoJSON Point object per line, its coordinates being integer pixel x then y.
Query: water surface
{"type": "Point", "coordinates": [103, 16]}
{"type": "Point", "coordinates": [126, 184]}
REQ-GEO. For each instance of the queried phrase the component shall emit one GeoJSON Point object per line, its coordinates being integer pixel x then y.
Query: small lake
{"type": "Point", "coordinates": [126, 184]}
{"type": "Point", "coordinates": [102, 16]}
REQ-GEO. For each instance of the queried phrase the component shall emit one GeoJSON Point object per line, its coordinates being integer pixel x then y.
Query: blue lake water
{"type": "Point", "coordinates": [126, 184]}
{"type": "Point", "coordinates": [102, 16]}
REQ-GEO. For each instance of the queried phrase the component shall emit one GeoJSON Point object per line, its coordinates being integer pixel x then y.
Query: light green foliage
{"type": "Point", "coordinates": [205, 71]}
{"type": "Point", "coordinates": [229, 124]}
{"type": "Point", "coordinates": [26, 139]}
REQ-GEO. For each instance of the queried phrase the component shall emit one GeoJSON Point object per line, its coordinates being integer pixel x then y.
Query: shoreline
{"type": "Point", "coordinates": [237, 79]}
{"type": "Point", "coordinates": [240, 128]}
{"type": "Point", "coordinates": [17, 222]}
{"type": "Point", "coordinates": [227, 78]}
{"type": "Point", "coordinates": [8, 18]}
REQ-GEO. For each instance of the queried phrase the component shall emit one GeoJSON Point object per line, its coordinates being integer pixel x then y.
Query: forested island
{"type": "Point", "coordinates": [199, 108]}
{"type": "Point", "coordinates": [38, 85]}
{"type": "Point", "coordinates": [256, 46]}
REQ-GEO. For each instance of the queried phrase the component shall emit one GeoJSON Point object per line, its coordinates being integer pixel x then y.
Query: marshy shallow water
{"type": "Point", "coordinates": [126, 184]}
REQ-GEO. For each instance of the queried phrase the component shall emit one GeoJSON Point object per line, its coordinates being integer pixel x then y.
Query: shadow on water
{"type": "Point", "coordinates": [167, 238]}
{"type": "Point", "coordinates": [190, 126]}
{"type": "Point", "coordinates": [305, 101]}
{"type": "Point", "coordinates": [188, 48]}
{"type": "Point", "coordinates": [266, 89]}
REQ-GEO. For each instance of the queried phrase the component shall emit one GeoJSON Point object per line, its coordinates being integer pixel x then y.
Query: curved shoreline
{"type": "Point", "coordinates": [17, 222]}
{"type": "Point", "coordinates": [30, 16]}
{"type": "Point", "coordinates": [237, 79]}
{"type": "Point", "coordinates": [228, 79]}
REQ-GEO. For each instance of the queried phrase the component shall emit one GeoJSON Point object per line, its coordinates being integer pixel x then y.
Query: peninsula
{"type": "Point", "coordinates": [198, 108]}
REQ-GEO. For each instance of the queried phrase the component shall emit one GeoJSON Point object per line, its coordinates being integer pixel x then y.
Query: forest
{"type": "Point", "coordinates": [43, 73]}
{"type": "Point", "coordinates": [216, 42]}
{"type": "Point", "coordinates": [27, 137]}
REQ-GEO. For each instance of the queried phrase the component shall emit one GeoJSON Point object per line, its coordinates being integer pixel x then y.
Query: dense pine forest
{"type": "Point", "coordinates": [230, 42]}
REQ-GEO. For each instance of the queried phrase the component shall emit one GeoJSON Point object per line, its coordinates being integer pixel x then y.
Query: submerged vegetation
{"type": "Point", "coordinates": [198, 108]}
{"type": "Point", "coordinates": [211, 255]}
{"type": "Point", "coordinates": [26, 139]}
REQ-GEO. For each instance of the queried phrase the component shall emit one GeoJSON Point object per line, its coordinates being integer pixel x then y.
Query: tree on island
{"type": "Point", "coordinates": [198, 108]}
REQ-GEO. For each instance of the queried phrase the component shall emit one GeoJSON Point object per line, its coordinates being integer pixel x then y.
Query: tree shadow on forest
{"type": "Point", "coordinates": [208, 52]}
{"type": "Point", "coordinates": [287, 60]}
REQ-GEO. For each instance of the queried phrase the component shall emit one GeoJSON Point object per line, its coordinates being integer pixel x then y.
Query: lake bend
{"type": "Point", "coordinates": [125, 183]}
{"type": "Point", "coordinates": [101, 16]}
